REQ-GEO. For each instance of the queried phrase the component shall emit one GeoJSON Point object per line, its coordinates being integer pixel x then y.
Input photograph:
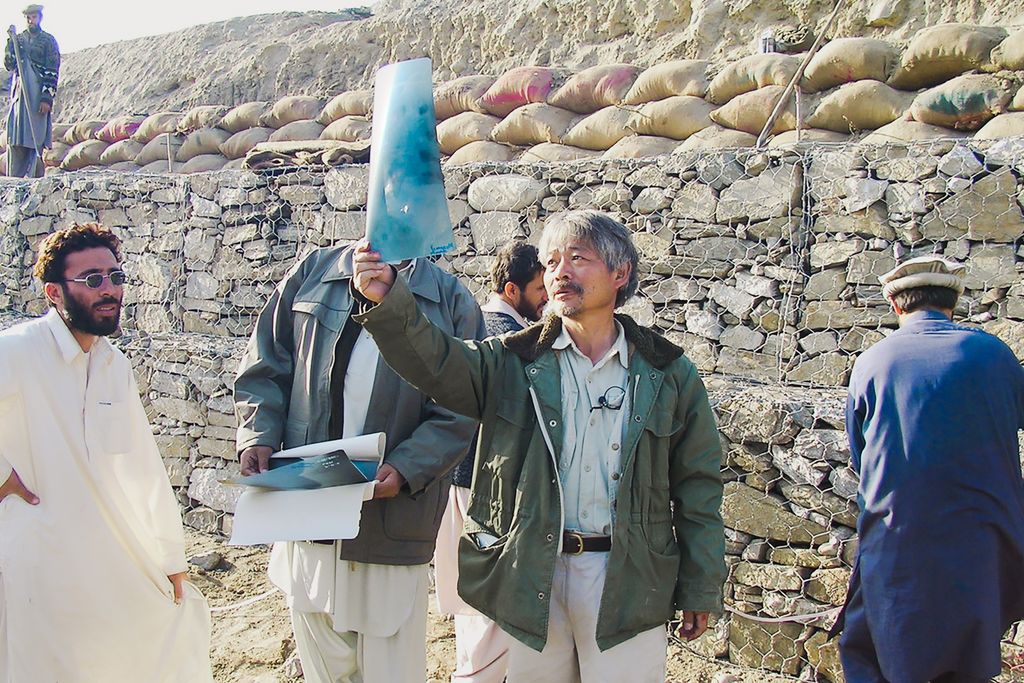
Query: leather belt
{"type": "Point", "coordinates": [577, 544]}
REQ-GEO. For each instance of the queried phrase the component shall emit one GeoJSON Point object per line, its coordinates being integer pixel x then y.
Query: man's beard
{"type": "Point", "coordinates": [84, 319]}
{"type": "Point", "coordinates": [564, 310]}
{"type": "Point", "coordinates": [529, 312]}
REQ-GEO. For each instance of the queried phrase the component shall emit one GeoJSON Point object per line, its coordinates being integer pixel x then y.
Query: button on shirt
{"type": "Point", "coordinates": [591, 455]}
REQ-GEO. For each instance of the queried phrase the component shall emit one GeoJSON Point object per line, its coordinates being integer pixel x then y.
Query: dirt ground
{"type": "Point", "coordinates": [253, 644]}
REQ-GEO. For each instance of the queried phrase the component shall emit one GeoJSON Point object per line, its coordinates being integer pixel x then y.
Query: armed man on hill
{"type": "Point", "coordinates": [34, 58]}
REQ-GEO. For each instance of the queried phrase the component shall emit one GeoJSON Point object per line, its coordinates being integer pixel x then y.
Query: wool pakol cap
{"type": "Point", "coordinates": [924, 271]}
{"type": "Point", "coordinates": [32, 9]}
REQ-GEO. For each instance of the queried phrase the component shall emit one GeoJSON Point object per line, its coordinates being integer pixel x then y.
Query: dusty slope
{"type": "Point", "coordinates": [265, 57]}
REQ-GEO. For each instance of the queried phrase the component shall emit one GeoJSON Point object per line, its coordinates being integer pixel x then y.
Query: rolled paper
{"type": "Point", "coordinates": [407, 211]}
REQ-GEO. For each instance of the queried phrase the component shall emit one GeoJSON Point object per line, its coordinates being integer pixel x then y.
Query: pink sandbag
{"type": "Point", "coordinates": [519, 86]}
{"type": "Point", "coordinates": [120, 128]}
{"type": "Point", "coordinates": [595, 88]}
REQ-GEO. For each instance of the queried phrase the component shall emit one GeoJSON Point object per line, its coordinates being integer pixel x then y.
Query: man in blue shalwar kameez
{"type": "Point", "coordinates": [29, 125]}
{"type": "Point", "coordinates": [932, 418]}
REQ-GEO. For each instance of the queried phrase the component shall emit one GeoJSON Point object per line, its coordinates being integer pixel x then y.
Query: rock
{"type": "Point", "coordinates": [829, 585]}
{"type": "Point", "coordinates": [173, 447]}
{"type": "Point", "coordinates": [703, 323]}
{"type": "Point", "coordinates": [905, 168]}
{"type": "Point", "coordinates": [715, 641]}
{"type": "Point", "coordinates": [178, 470]}
{"type": "Point", "coordinates": [748, 364]}
{"type": "Point", "coordinates": [674, 289]}
{"type": "Point", "coordinates": [776, 192]}
{"type": "Point", "coordinates": [905, 198]}
{"type": "Point", "coordinates": [719, 170]}
{"type": "Point", "coordinates": [987, 211]}
{"type": "Point", "coordinates": [179, 409]}
{"type": "Point", "coordinates": [237, 234]}
{"type": "Point", "coordinates": [206, 488]}
{"type": "Point", "coordinates": [862, 193]}
{"type": "Point", "coordinates": [737, 302]}
{"type": "Point", "coordinates": [201, 285]}
{"type": "Point", "coordinates": [884, 13]}
{"type": "Point", "coordinates": [651, 246]}
{"type": "Point", "coordinates": [866, 267]}
{"type": "Point", "coordinates": [603, 197]}
{"type": "Point", "coordinates": [822, 444]}
{"type": "Point", "coordinates": [728, 249]}
{"type": "Point", "coordinates": [40, 225]}
{"type": "Point", "coordinates": [990, 266]}
{"type": "Point", "coordinates": [753, 512]}
{"type": "Point", "coordinates": [827, 284]}
{"type": "Point", "coordinates": [639, 309]}
{"type": "Point", "coordinates": [837, 315]}
{"type": "Point", "coordinates": [341, 225]}
{"type": "Point", "coordinates": [493, 229]}
{"type": "Point", "coordinates": [832, 506]}
{"type": "Point", "coordinates": [770, 576]}
{"type": "Point", "coordinates": [822, 653]}
{"type": "Point", "coordinates": [695, 201]}
{"type": "Point", "coordinates": [208, 562]}
{"type": "Point", "coordinates": [742, 337]}
{"type": "Point", "coordinates": [756, 285]}
{"type": "Point", "coordinates": [858, 339]}
{"type": "Point", "coordinates": [830, 253]}
{"type": "Point", "coordinates": [831, 369]}
{"type": "Point", "coordinates": [961, 161]}
{"type": "Point", "coordinates": [203, 519]}
{"type": "Point", "coordinates": [800, 469]}
{"type": "Point", "coordinates": [651, 200]}
{"type": "Point", "coordinates": [819, 342]}
{"type": "Point", "coordinates": [507, 192]}
{"type": "Point", "coordinates": [802, 557]}
{"type": "Point", "coordinates": [347, 187]}
{"type": "Point", "coordinates": [301, 194]}
{"type": "Point", "coordinates": [1011, 332]}
{"type": "Point", "coordinates": [651, 176]}
{"type": "Point", "coordinates": [845, 483]}
{"type": "Point", "coordinates": [776, 647]}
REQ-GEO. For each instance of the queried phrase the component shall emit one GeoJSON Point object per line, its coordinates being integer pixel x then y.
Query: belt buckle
{"type": "Point", "coordinates": [579, 539]}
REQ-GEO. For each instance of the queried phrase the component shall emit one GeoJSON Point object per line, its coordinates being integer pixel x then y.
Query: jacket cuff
{"type": "Point", "coordinates": [698, 599]}
{"type": "Point", "coordinates": [246, 438]}
{"type": "Point", "coordinates": [391, 310]}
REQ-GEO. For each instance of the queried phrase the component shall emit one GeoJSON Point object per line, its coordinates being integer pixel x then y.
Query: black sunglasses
{"type": "Point", "coordinates": [95, 280]}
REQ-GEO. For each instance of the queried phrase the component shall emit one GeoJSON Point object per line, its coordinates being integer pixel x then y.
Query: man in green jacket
{"type": "Point", "coordinates": [594, 513]}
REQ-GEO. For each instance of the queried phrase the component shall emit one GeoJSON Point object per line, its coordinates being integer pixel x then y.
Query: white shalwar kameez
{"type": "Point", "coordinates": [83, 574]}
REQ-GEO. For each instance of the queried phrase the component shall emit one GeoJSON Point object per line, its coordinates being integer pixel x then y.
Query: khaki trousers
{"type": "Point", "coordinates": [330, 656]}
{"type": "Point", "coordinates": [481, 648]}
{"type": "Point", "coordinates": [571, 653]}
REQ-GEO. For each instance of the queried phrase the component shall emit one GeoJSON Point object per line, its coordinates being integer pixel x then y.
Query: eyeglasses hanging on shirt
{"type": "Point", "coordinates": [612, 399]}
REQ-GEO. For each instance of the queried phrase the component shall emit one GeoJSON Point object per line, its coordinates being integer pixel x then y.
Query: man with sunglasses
{"type": "Point", "coordinates": [92, 552]}
{"type": "Point", "coordinates": [594, 512]}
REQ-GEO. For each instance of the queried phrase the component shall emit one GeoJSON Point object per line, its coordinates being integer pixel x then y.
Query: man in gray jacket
{"type": "Point", "coordinates": [311, 374]}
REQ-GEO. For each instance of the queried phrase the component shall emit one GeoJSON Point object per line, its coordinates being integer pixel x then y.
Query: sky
{"type": "Point", "coordinates": [79, 24]}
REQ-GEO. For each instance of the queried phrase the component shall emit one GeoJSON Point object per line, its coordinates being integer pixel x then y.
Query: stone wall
{"type": "Point", "coordinates": [762, 265]}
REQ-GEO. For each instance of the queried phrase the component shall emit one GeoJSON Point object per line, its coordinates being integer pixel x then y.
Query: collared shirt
{"type": "Point", "coordinates": [591, 457]}
{"type": "Point", "coordinates": [498, 305]}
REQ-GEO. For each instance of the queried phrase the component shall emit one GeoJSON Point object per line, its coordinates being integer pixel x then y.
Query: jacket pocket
{"type": "Point", "coordinates": [331, 318]}
{"type": "Point", "coordinates": [115, 427]}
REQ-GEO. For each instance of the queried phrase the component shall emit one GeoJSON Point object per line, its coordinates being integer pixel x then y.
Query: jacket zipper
{"type": "Point", "coordinates": [551, 452]}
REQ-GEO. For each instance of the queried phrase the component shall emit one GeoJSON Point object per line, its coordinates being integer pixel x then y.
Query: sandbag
{"type": "Point", "coordinates": [203, 116]}
{"type": "Point", "coordinates": [351, 103]}
{"type": "Point", "coordinates": [125, 166]}
{"type": "Point", "coordinates": [517, 87]}
{"type": "Point", "coordinates": [234, 165]}
{"type": "Point", "coordinates": [751, 73]}
{"type": "Point", "coordinates": [901, 131]}
{"type": "Point", "coordinates": [464, 128]}
{"type": "Point", "coordinates": [1002, 126]}
{"type": "Point", "coordinates": [244, 116]}
{"type": "Point", "coordinates": [640, 146]}
{"type": "Point", "coordinates": [239, 144]}
{"type": "Point", "coordinates": [716, 137]}
{"type": "Point", "coordinates": [678, 77]}
{"type": "Point", "coordinates": [84, 154]}
{"type": "Point", "coordinates": [120, 128]}
{"type": "Point", "coordinates": [963, 103]}
{"type": "Point", "coordinates": [290, 109]}
{"type": "Point", "coordinates": [533, 124]}
{"type": "Point", "coordinates": [119, 152]}
{"type": "Point", "coordinates": [203, 163]}
{"type": "Point", "coordinates": [749, 112]}
{"type": "Point", "coordinates": [160, 166]}
{"type": "Point", "coordinates": [348, 129]}
{"type": "Point", "coordinates": [155, 125]}
{"type": "Point", "coordinates": [482, 151]}
{"type": "Point", "coordinates": [862, 105]}
{"type": "Point", "coordinates": [595, 88]}
{"type": "Point", "coordinates": [202, 141]}
{"type": "Point", "coordinates": [845, 60]}
{"type": "Point", "coordinates": [460, 95]}
{"type": "Point", "coordinates": [298, 131]}
{"type": "Point", "coordinates": [1018, 101]}
{"type": "Point", "coordinates": [676, 117]}
{"type": "Point", "coordinates": [600, 130]}
{"type": "Point", "coordinates": [56, 154]}
{"type": "Point", "coordinates": [157, 149]}
{"type": "Point", "coordinates": [938, 53]}
{"type": "Point", "coordinates": [1009, 54]}
{"type": "Point", "coordinates": [807, 135]}
{"type": "Point", "coordinates": [60, 130]}
{"type": "Point", "coordinates": [548, 152]}
{"type": "Point", "coordinates": [82, 131]}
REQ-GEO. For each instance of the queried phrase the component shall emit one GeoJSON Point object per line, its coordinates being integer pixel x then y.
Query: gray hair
{"type": "Point", "coordinates": [608, 237]}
